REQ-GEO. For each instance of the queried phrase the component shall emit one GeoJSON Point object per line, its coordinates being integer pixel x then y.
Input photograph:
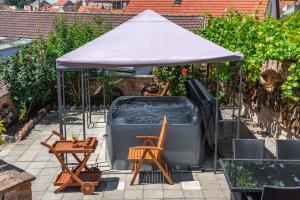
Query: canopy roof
{"type": "Point", "coordinates": [147, 39]}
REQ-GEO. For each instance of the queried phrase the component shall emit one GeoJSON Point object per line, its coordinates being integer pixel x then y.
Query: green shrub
{"type": "Point", "coordinates": [31, 74]}
{"type": "Point", "coordinates": [177, 77]}
{"type": "Point", "coordinates": [259, 41]}
{"type": "Point", "coordinates": [2, 130]}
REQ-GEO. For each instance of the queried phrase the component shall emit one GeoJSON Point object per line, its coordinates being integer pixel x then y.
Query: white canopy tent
{"type": "Point", "coordinates": [147, 39]}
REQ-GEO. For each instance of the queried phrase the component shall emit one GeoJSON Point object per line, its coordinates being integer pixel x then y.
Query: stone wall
{"type": "Point", "coordinates": [268, 120]}
{"type": "Point", "coordinates": [129, 85]}
{"type": "Point", "coordinates": [18, 192]}
{"type": "Point", "coordinates": [7, 109]}
{"type": "Point", "coordinates": [15, 183]}
{"type": "Point", "coordinates": [133, 85]}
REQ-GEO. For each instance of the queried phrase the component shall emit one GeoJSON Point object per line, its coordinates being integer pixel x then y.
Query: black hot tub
{"type": "Point", "coordinates": [132, 116]}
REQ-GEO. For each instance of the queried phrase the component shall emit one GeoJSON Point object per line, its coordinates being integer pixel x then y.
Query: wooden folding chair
{"type": "Point", "coordinates": [150, 153]}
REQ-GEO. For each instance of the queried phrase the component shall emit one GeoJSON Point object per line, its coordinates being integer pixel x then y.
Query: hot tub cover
{"type": "Point", "coordinates": [145, 40]}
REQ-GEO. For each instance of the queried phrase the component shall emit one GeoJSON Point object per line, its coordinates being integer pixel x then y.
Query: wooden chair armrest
{"type": "Point", "coordinates": [147, 137]}
{"type": "Point", "coordinates": [147, 147]}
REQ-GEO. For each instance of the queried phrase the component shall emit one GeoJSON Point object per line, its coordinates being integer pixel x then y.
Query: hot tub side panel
{"type": "Point", "coordinates": [182, 145]}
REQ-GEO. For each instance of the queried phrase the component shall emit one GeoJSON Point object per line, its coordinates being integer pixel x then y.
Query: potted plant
{"type": "Point", "coordinates": [2, 130]}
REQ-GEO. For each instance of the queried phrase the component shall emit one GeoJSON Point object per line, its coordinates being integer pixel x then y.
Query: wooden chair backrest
{"type": "Point", "coordinates": [163, 132]}
{"type": "Point", "coordinates": [165, 90]}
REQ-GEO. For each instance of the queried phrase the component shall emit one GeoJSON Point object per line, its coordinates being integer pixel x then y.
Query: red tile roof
{"type": "Point", "coordinates": [36, 24]}
{"type": "Point", "coordinates": [198, 7]}
{"type": "Point", "coordinates": [97, 9]}
{"type": "Point", "coordinates": [51, 9]}
{"type": "Point", "coordinates": [60, 3]}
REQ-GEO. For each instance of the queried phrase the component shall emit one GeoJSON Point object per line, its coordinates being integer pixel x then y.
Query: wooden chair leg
{"type": "Point", "coordinates": [133, 166]}
{"type": "Point", "coordinates": [164, 161]}
{"type": "Point", "coordinates": [165, 173]}
{"type": "Point", "coordinates": [162, 169]}
{"type": "Point", "coordinates": [137, 168]}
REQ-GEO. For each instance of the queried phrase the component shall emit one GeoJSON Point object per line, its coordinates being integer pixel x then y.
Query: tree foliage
{"type": "Point", "coordinates": [30, 75]}
{"type": "Point", "coordinates": [260, 41]}
{"type": "Point", "coordinates": [176, 76]}
{"type": "Point", "coordinates": [18, 3]}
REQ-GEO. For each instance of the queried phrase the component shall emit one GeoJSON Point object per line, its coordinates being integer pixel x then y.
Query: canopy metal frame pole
{"type": "Point", "coordinates": [235, 119]}
{"type": "Point", "coordinates": [240, 98]}
{"type": "Point", "coordinates": [61, 97]}
{"type": "Point", "coordinates": [216, 119]}
{"type": "Point", "coordinates": [90, 113]}
{"type": "Point", "coordinates": [83, 103]}
{"type": "Point", "coordinates": [59, 76]}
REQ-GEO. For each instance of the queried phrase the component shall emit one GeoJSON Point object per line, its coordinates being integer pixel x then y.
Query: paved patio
{"type": "Point", "coordinates": [31, 156]}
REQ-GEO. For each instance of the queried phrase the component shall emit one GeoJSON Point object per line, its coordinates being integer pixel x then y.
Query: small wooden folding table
{"type": "Point", "coordinates": [82, 175]}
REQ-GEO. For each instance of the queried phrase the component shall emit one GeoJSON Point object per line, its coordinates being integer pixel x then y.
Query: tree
{"type": "Point", "coordinates": [18, 3]}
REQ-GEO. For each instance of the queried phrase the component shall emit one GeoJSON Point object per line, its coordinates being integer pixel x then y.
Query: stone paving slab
{"type": "Point", "coordinates": [31, 156]}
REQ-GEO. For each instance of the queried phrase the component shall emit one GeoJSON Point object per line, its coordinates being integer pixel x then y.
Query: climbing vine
{"type": "Point", "coordinates": [260, 41]}
{"type": "Point", "coordinates": [176, 76]}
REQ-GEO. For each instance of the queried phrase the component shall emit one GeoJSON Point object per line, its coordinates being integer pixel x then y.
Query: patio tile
{"type": "Point", "coordinates": [191, 185]}
{"type": "Point", "coordinates": [41, 158]}
{"type": "Point", "coordinates": [37, 195]}
{"type": "Point", "coordinates": [213, 194]}
{"type": "Point", "coordinates": [37, 165]}
{"type": "Point", "coordinates": [51, 164]}
{"type": "Point", "coordinates": [223, 184]}
{"type": "Point", "coordinates": [176, 186]}
{"type": "Point", "coordinates": [116, 194]}
{"type": "Point", "coordinates": [31, 152]}
{"type": "Point", "coordinates": [193, 194]}
{"type": "Point", "coordinates": [133, 194]}
{"type": "Point", "coordinates": [44, 179]}
{"type": "Point", "coordinates": [156, 194]}
{"type": "Point", "coordinates": [207, 176]}
{"type": "Point", "coordinates": [52, 196]}
{"type": "Point", "coordinates": [16, 153]}
{"type": "Point", "coordinates": [153, 199]}
{"type": "Point", "coordinates": [26, 158]}
{"type": "Point", "coordinates": [4, 152]}
{"type": "Point", "coordinates": [226, 193]}
{"type": "Point", "coordinates": [41, 187]}
{"type": "Point", "coordinates": [173, 194]}
{"type": "Point", "coordinates": [133, 187]}
{"type": "Point", "coordinates": [73, 196]}
{"type": "Point", "coordinates": [22, 165]}
{"type": "Point", "coordinates": [35, 147]}
{"type": "Point", "coordinates": [153, 186]}
{"type": "Point", "coordinates": [34, 171]}
{"type": "Point", "coordinates": [121, 185]}
{"type": "Point", "coordinates": [209, 184]}
{"type": "Point", "coordinates": [11, 158]}
{"type": "Point", "coordinates": [96, 196]}
{"type": "Point", "coordinates": [220, 177]}
{"type": "Point", "coordinates": [50, 171]}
